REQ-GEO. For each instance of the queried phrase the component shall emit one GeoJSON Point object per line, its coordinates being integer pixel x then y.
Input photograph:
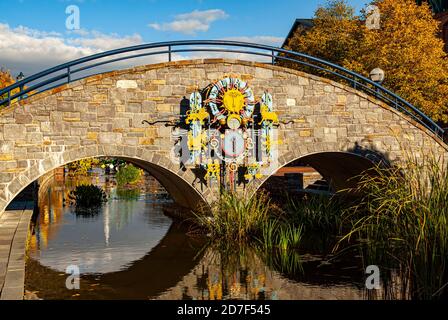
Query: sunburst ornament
{"type": "Point", "coordinates": [231, 101]}
{"type": "Point", "coordinates": [234, 101]}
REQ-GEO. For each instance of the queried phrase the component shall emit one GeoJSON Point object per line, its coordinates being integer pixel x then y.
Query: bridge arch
{"type": "Point", "coordinates": [177, 183]}
{"type": "Point", "coordinates": [339, 168]}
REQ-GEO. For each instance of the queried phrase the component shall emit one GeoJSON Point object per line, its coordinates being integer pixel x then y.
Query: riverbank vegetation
{"type": "Point", "coordinates": [128, 175]}
{"type": "Point", "coordinates": [399, 222]}
{"type": "Point", "coordinates": [87, 198]}
{"type": "Point", "coordinates": [239, 218]}
{"type": "Point", "coordinates": [82, 167]}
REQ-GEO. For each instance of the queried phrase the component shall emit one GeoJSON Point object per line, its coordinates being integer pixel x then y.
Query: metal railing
{"type": "Point", "coordinates": [65, 72]}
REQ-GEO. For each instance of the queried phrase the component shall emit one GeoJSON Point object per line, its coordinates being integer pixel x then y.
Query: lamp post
{"type": "Point", "coordinates": [19, 78]}
{"type": "Point", "coordinates": [377, 75]}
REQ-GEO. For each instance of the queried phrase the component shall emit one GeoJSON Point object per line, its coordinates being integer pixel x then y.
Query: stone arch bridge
{"type": "Point", "coordinates": [328, 125]}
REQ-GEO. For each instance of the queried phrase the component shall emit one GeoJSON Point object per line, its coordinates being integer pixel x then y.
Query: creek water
{"type": "Point", "coordinates": [131, 250]}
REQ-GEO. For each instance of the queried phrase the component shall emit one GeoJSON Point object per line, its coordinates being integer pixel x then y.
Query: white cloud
{"type": "Point", "coordinates": [263, 40]}
{"type": "Point", "coordinates": [28, 50]}
{"type": "Point", "coordinates": [266, 40]}
{"type": "Point", "coordinates": [208, 16]}
{"type": "Point", "coordinates": [192, 22]}
{"type": "Point", "coordinates": [103, 42]}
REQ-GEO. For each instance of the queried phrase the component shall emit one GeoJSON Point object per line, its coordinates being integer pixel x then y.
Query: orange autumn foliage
{"type": "Point", "coordinates": [407, 47]}
{"type": "Point", "coordinates": [6, 79]}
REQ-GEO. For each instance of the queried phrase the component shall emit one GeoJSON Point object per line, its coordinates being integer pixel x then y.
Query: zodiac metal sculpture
{"type": "Point", "coordinates": [226, 136]}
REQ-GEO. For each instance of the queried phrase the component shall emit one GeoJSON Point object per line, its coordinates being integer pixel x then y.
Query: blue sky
{"type": "Point", "coordinates": [33, 33]}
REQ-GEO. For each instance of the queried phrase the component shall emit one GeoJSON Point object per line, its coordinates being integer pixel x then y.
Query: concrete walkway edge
{"type": "Point", "coordinates": [14, 229]}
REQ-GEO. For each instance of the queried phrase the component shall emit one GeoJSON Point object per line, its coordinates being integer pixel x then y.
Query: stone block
{"type": "Point", "coordinates": [13, 131]}
{"type": "Point", "coordinates": [110, 138]}
{"type": "Point", "coordinates": [133, 108]}
{"type": "Point", "coordinates": [23, 118]}
{"type": "Point", "coordinates": [121, 123]}
{"type": "Point", "coordinates": [342, 100]}
{"type": "Point", "coordinates": [291, 102]}
{"type": "Point", "coordinates": [166, 91]}
{"type": "Point", "coordinates": [127, 84]}
{"type": "Point", "coordinates": [262, 73]}
{"type": "Point", "coordinates": [163, 107]}
{"type": "Point", "coordinates": [305, 133]}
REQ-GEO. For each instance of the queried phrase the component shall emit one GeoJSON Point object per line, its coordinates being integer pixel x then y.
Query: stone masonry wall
{"type": "Point", "coordinates": [102, 116]}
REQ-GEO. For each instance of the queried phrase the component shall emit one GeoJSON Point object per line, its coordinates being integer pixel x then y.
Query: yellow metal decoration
{"type": "Point", "coordinates": [269, 143]}
{"type": "Point", "coordinates": [234, 101]}
{"type": "Point", "coordinates": [224, 137]}
{"type": "Point", "coordinates": [267, 115]}
{"type": "Point", "coordinates": [196, 143]}
{"type": "Point", "coordinates": [233, 121]}
{"type": "Point", "coordinates": [253, 172]}
{"type": "Point", "coordinates": [213, 170]}
{"type": "Point", "coordinates": [201, 116]}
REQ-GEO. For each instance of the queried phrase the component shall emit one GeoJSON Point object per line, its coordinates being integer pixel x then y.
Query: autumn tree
{"type": "Point", "coordinates": [334, 36]}
{"type": "Point", "coordinates": [6, 79]}
{"type": "Point", "coordinates": [406, 47]}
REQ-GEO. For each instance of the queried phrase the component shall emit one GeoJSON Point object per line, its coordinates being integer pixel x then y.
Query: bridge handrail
{"type": "Point", "coordinates": [357, 80]}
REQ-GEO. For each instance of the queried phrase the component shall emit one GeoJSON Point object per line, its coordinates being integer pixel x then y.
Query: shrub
{"type": "Point", "coordinates": [82, 167]}
{"type": "Point", "coordinates": [87, 197]}
{"type": "Point", "coordinates": [129, 175]}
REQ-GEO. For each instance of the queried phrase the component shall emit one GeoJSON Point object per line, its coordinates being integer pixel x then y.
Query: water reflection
{"type": "Point", "coordinates": [123, 231]}
{"type": "Point", "coordinates": [245, 274]}
{"type": "Point", "coordinates": [131, 250]}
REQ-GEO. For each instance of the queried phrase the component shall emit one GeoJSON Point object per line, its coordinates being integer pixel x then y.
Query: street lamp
{"type": "Point", "coordinates": [20, 77]}
{"type": "Point", "coordinates": [377, 75]}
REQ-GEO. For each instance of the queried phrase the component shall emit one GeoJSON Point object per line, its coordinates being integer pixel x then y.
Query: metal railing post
{"type": "Point", "coordinates": [169, 54]}
{"type": "Point", "coordinates": [273, 57]}
{"type": "Point", "coordinates": [69, 78]}
{"type": "Point", "coordinates": [21, 89]}
{"type": "Point", "coordinates": [9, 98]}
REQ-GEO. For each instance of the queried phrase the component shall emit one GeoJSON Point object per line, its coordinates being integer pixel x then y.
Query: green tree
{"type": "Point", "coordinates": [128, 174]}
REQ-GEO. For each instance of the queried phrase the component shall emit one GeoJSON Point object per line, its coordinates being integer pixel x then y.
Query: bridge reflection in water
{"type": "Point", "coordinates": [132, 251]}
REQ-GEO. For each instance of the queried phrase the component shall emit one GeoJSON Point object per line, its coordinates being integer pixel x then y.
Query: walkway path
{"type": "Point", "coordinates": [14, 227]}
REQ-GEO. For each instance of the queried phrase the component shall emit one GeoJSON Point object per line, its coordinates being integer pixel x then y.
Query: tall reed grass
{"type": "Point", "coordinates": [239, 218]}
{"type": "Point", "coordinates": [316, 213]}
{"type": "Point", "coordinates": [401, 223]}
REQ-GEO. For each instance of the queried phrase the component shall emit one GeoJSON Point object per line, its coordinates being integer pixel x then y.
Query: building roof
{"type": "Point", "coordinates": [305, 23]}
{"type": "Point", "coordinates": [437, 6]}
